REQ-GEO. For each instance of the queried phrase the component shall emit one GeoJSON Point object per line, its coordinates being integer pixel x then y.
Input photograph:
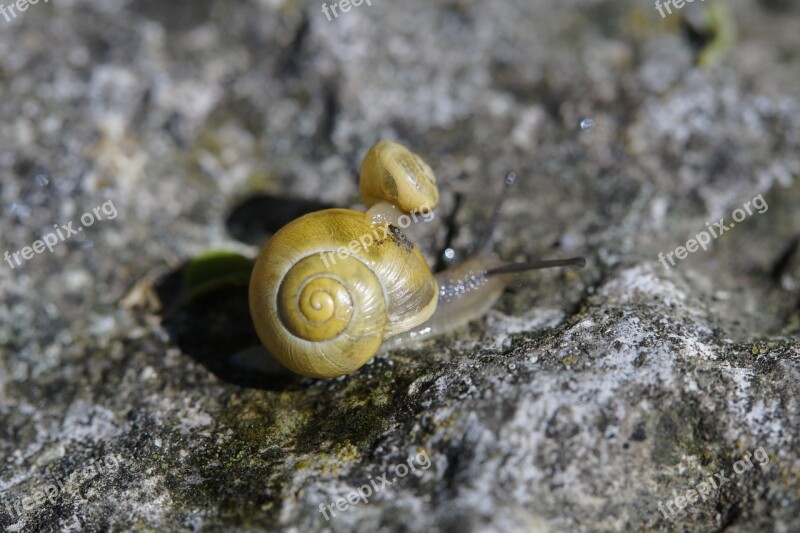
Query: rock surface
{"type": "Point", "coordinates": [582, 402]}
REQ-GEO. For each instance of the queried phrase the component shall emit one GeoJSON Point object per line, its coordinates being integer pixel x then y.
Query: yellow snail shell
{"type": "Point", "coordinates": [324, 314]}
{"type": "Point", "coordinates": [391, 173]}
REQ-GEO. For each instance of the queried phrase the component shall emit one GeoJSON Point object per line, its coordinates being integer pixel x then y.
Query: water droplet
{"type": "Point", "coordinates": [21, 210]}
{"type": "Point", "coordinates": [587, 124]}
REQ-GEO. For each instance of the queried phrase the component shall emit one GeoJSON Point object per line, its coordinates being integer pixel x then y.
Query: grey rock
{"type": "Point", "coordinates": [582, 402]}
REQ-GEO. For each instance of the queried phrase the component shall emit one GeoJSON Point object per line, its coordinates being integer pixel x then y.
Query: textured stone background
{"type": "Point", "coordinates": [582, 399]}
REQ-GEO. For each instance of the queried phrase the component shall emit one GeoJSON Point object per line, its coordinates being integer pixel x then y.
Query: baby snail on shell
{"type": "Point", "coordinates": [329, 288]}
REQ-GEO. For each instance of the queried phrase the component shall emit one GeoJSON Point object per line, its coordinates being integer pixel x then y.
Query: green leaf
{"type": "Point", "coordinates": [215, 269]}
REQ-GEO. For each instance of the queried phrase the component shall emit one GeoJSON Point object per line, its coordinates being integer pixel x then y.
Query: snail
{"type": "Point", "coordinates": [329, 288]}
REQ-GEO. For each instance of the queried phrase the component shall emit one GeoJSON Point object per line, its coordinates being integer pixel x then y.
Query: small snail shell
{"type": "Point", "coordinates": [391, 173]}
{"type": "Point", "coordinates": [322, 313]}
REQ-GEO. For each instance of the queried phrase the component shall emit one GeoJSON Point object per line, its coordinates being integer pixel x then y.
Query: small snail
{"type": "Point", "coordinates": [329, 288]}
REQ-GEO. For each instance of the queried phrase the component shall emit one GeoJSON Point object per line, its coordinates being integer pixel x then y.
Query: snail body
{"type": "Point", "coordinates": [329, 288]}
{"type": "Point", "coordinates": [465, 294]}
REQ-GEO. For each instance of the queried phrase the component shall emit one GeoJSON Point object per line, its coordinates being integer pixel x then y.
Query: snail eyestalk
{"type": "Point", "coordinates": [513, 268]}
{"type": "Point", "coordinates": [487, 241]}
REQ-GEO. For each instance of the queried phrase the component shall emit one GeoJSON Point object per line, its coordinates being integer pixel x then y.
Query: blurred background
{"type": "Point", "coordinates": [586, 400]}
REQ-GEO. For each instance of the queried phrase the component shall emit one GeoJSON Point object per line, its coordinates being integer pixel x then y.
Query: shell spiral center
{"type": "Point", "coordinates": [316, 307]}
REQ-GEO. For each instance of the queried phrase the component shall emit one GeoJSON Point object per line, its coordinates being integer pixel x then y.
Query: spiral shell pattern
{"type": "Point", "coordinates": [391, 172]}
{"type": "Point", "coordinates": [315, 308]}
